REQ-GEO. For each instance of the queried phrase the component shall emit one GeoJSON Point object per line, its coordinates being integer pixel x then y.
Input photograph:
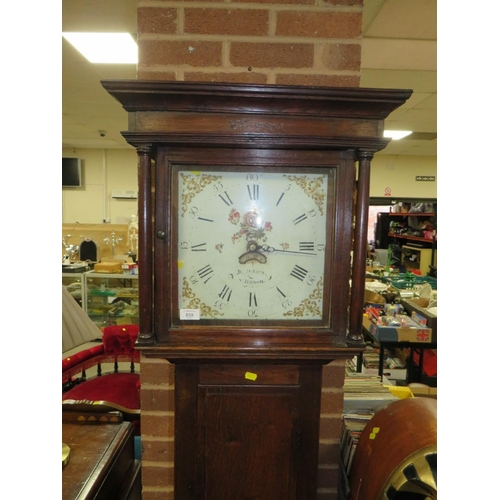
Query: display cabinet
{"type": "Point", "coordinates": [112, 299]}
{"type": "Point", "coordinates": [75, 284]}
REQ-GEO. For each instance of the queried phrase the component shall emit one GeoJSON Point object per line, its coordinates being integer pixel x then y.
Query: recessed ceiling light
{"type": "Point", "coordinates": [396, 134]}
{"type": "Point", "coordinates": [110, 48]}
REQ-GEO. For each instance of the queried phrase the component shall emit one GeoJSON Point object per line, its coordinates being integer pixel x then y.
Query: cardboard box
{"type": "Point", "coordinates": [418, 305]}
{"type": "Point", "coordinates": [398, 334]}
{"type": "Point", "coordinates": [129, 268]}
{"type": "Point", "coordinates": [426, 392]}
{"type": "Point", "coordinates": [389, 373]}
{"type": "Point", "coordinates": [108, 267]}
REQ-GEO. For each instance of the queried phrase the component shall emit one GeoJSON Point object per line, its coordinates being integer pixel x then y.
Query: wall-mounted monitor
{"type": "Point", "coordinates": [71, 172]}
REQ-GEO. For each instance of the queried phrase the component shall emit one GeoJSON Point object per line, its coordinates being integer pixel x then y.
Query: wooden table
{"type": "Point", "coordinates": [102, 464]}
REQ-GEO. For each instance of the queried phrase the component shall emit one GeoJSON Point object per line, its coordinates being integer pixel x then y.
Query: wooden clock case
{"type": "Point", "coordinates": [247, 396]}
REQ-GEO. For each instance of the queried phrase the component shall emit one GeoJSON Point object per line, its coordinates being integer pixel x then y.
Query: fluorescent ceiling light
{"type": "Point", "coordinates": [396, 134]}
{"type": "Point", "coordinates": [114, 48]}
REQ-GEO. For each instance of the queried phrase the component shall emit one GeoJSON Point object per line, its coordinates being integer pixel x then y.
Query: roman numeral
{"type": "Point", "coordinates": [300, 218]}
{"type": "Point", "coordinates": [306, 246]}
{"type": "Point", "coordinates": [201, 247]}
{"type": "Point", "coordinates": [280, 292]}
{"type": "Point", "coordinates": [252, 300]}
{"type": "Point", "coordinates": [299, 272]}
{"type": "Point", "coordinates": [226, 293]}
{"type": "Point", "coordinates": [205, 272]}
{"type": "Point", "coordinates": [253, 191]}
{"type": "Point", "coordinates": [280, 198]}
{"type": "Point", "coordinates": [206, 220]}
{"type": "Point", "coordinates": [226, 199]}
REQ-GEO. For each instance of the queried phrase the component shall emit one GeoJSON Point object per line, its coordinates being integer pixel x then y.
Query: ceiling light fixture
{"type": "Point", "coordinates": [110, 48]}
{"type": "Point", "coordinates": [396, 134]}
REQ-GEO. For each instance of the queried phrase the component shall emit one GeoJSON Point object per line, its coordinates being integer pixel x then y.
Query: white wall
{"type": "Point", "coordinates": [396, 175]}
{"type": "Point", "coordinates": [103, 170]}
{"type": "Point", "coordinates": [109, 169]}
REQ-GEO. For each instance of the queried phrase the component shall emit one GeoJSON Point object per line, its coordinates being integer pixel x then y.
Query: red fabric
{"type": "Point", "coordinates": [118, 344]}
{"type": "Point", "coordinates": [120, 339]}
{"type": "Point", "coordinates": [429, 366]}
{"type": "Point", "coordinates": [119, 388]}
{"type": "Point", "coordinates": [80, 357]}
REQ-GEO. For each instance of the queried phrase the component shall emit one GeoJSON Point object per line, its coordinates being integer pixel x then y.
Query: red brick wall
{"type": "Point", "coordinates": [295, 42]}
{"type": "Point", "coordinates": [157, 429]}
{"type": "Point", "coordinates": [332, 402]}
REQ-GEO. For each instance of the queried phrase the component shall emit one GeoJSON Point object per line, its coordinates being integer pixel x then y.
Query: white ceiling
{"type": "Point", "coordinates": [399, 50]}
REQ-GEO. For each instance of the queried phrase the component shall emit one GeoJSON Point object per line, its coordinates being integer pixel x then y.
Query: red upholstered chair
{"type": "Point", "coordinates": [117, 390]}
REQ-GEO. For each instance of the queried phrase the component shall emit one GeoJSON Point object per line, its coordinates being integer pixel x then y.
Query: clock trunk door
{"type": "Point", "coordinates": [253, 429]}
{"type": "Point", "coordinates": [248, 441]}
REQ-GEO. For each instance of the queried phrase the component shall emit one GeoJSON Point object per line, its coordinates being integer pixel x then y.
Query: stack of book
{"type": "Point", "coordinates": [365, 392]}
{"type": "Point", "coordinates": [352, 426]}
{"type": "Point", "coordinates": [363, 396]}
{"type": "Point", "coordinates": [350, 366]}
{"type": "Point", "coordinates": [371, 359]}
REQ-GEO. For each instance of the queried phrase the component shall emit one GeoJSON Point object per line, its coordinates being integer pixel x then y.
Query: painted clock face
{"type": "Point", "coordinates": [251, 244]}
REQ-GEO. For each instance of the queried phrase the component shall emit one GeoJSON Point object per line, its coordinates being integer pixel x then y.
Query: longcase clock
{"type": "Point", "coordinates": [253, 214]}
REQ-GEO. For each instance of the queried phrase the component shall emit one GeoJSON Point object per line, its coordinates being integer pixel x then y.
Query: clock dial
{"type": "Point", "coordinates": [251, 245]}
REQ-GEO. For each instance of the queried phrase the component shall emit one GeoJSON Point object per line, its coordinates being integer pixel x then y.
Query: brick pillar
{"type": "Point", "coordinates": [332, 402]}
{"type": "Point", "coordinates": [157, 429]}
{"type": "Point", "coordinates": [285, 42]}
{"type": "Point", "coordinates": [296, 42]}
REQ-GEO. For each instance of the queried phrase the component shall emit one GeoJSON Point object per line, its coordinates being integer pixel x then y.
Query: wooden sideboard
{"type": "Point", "coordinates": [102, 465]}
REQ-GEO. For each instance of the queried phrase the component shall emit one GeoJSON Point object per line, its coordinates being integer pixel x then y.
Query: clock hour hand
{"type": "Point", "coordinates": [267, 248]}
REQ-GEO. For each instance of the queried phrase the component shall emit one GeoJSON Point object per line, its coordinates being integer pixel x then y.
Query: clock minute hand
{"type": "Point", "coordinates": [267, 248]}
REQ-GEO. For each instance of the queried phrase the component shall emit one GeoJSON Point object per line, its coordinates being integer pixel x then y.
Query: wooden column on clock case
{"type": "Point", "coordinates": [359, 247]}
{"type": "Point", "coordinates": [145, 209]}
{"type": "Point", "coordinates": [247, 394]}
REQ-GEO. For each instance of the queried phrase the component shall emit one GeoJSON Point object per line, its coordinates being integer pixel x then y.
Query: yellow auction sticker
{"type": "Point", "coordinates": [251, 376]}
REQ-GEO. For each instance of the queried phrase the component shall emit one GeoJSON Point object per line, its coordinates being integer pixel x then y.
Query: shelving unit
{"type": "Point", "coordinates": [112, 299]}
{"type": "Point", "coordinates": [415, 252]}
{"type": "Point", "coordinates": [108, 299]}
{"type": "Point", "coordinates": [410, 237]}
{"type": "Point", "coordinates": [74, 283]}
{"type": "Point", "coordinates": [417, 258]}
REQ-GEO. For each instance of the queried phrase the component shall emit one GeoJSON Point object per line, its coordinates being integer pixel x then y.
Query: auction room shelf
{"type": "Point", "coordinates": [411, 214]}
{"type": "Point", "coordinates": [108, 299]}
{"type": "Point", "coordinates": [411, 238]}
{"type": "Point", "coordinates": [112, 299]}
{"type": "Point", "coordinates": [414, 244]}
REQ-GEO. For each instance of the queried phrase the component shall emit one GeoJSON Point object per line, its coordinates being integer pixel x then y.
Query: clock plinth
{"type": "Point", "coordinates": [247, 200]}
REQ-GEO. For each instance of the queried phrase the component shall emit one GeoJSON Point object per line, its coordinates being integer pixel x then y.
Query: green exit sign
{"type": "Point", "coordinates": [425, 178]}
